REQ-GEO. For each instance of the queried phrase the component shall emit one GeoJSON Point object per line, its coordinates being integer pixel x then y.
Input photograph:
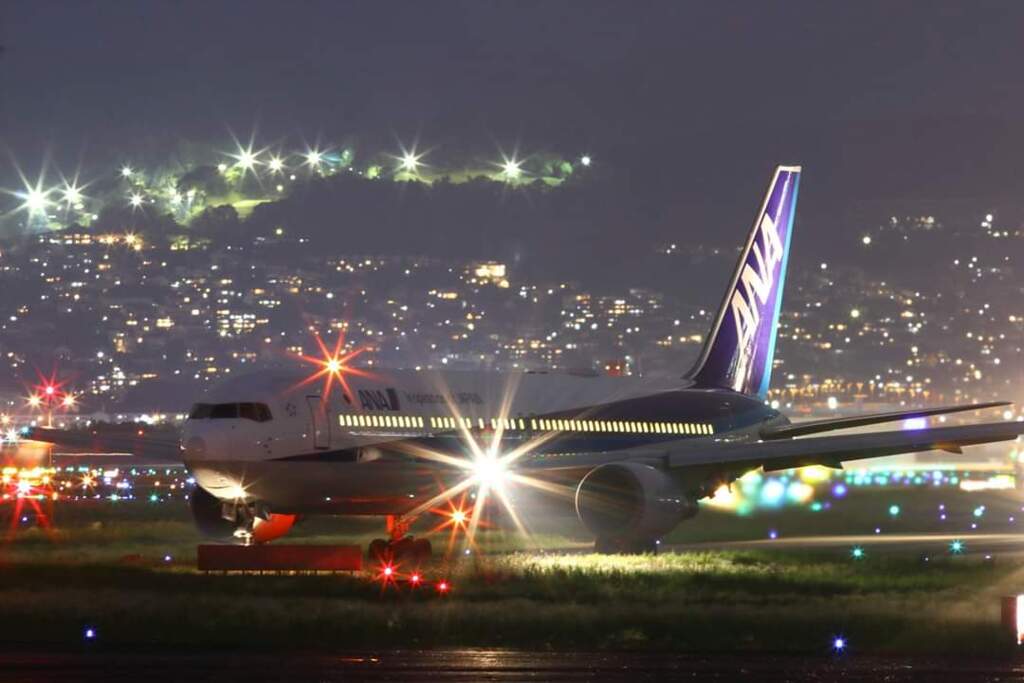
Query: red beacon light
{"type": "Point", "coordinates": [443, 587]}
{"type": "Point", "coordinates": [415, 579]}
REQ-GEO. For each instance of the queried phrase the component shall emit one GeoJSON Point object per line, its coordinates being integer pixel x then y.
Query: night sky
{"type": "Point", "coordinates": [691, 103]}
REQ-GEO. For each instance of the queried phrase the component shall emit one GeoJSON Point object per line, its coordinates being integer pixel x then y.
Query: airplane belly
{"type": "Point", "coordinates": [363, 488]}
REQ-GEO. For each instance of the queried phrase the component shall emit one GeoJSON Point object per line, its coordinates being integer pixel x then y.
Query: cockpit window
{"type": "Point", "coordinates": [200, 411]}
{"type": "Point", "coordinates": [223, 411]}
{"type": "Point", "coordinates": [257, 412]}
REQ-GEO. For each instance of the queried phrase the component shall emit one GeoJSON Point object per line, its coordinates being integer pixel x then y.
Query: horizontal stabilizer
{"type": "Point", "coordinates": [832, 424]}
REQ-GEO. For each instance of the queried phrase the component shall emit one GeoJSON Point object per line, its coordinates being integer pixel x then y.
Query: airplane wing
{"type": "Point", "coordinates": [830, 451]}
{"type": "Point", "coordinates": [832, 424]}
{"type": "Point", "coordinates": [833, 450]}
{"type": "Point", "coordinates": [137, 442]}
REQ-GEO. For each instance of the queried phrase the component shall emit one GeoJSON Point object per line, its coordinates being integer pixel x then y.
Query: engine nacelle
{"type": "Point", "coordinates": [629, 500]}
{"type": "Point", "coordinates": [208, 513]}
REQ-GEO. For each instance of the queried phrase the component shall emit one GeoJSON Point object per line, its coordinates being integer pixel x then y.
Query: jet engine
{"type": "Point", "coordinates": [627, 505]}
{"type": "Point", "coordinates": [242, 526]}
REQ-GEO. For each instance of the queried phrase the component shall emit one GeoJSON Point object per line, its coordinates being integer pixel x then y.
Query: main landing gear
{"type": "Point", "coordinates": [400, 548]}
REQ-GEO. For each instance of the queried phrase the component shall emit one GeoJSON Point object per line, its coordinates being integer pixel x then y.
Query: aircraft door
{"type": "Point", "coordinates": [320, 421]}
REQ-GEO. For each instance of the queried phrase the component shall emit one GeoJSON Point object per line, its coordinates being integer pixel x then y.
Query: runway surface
{"type": "Point", "coordinates": [1003, 545]}
{"type": "Point", "coordinates": [489, 665]}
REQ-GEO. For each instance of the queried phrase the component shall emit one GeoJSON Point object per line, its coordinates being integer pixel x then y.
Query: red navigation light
{"type": "Point", "coordinates": [389, 571]}
{"type": "Point", "coordinates": [50, 390]}
{"type": "Point", "coordinates": [443, 587]}
{"type": "Point", "coordinates": [415, 579]}
{"type": "Point", "coordinates": [333, 365]}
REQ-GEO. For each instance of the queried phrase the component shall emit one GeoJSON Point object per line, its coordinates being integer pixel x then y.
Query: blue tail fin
{"type": "Point", "coordinates": [738, 353]}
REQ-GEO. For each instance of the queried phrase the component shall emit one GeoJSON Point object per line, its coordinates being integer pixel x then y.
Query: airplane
{"type": "Point", "coordinates": [635, 454]}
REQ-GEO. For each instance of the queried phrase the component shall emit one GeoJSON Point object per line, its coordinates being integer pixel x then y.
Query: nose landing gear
{"type": "Point", "coordinates": [400, 548]}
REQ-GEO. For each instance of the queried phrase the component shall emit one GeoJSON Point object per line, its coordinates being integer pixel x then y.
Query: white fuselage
{"type": "Point", "coordinates": [365, 447]}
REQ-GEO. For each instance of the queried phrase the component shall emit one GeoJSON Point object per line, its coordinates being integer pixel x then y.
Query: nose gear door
{"type": "Point", "coordinates": [320, 421]}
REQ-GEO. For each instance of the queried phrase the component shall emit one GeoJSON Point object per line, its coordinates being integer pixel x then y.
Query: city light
{"type": "Point", "coordinates": [135, 200]}
{"type": "Point", "coordinates": [957, 547]}
{"type": "Point", "coordinates": [314, 158]}
{"type": "Point", "coordinates": [126, 171]}
{"type": "Point", "coordinates": [586, 160]}
{"type": "Point", "coordinates": [410, 160]}
{"type": "Point", "coordinates": [246, 159]}
{"type": "Point", "coordinates": [511, 168]}
{"type": "Point", "coordinates": [276, 165]}
{"type": "Point", "coordinates": [72, 195]}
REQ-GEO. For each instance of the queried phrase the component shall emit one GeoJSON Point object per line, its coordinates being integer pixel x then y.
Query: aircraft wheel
{"type": "Point", "coordinates": [379, 550]}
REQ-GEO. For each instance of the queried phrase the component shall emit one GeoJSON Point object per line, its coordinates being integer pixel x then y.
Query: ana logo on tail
{"type": "Point", "coordinates": [756, 282]}
{"type": "Point", "coordinates": [738, 354]}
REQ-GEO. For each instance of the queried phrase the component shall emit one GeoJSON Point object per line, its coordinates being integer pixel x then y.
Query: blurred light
{"type": "Point", "coordinates": [839, 644]}
{"type": "Point", "coordinates": [866, 240]}
{"type": "Point", "coordinates": [36, 200]}
{"type": "Point", "coordinates": [443, 587]}
{"type": "Point", "coordinates": [126, 171]}
{"type": "Point", "coordinates": [839, 490]}
{"type": "Point", "coordinates": [415, 579]}
{"type": "Point", "coordinates": [135, 200]}
{"type": "Point", "coordinates": [585, 160]}
{"type": "Point", "coordinates": [69, 401]}
{"type": "Point", "coordinates": [314, 158]}
{"type": "Point", "coordinates": [832, 402]}
{"type": "Point", "coordinates": [913, 423]}
{"type": "Point", "coordinates": [276, 165]}
{"type": "Point", "coordinates": [857, 553]}
{"type": "Point", "coordinates": [894, 510]}
{"type": "Point", "coordinates": [489, 470]}
{"type": "Point", "coordinates": [957, 547]}
{"type": "Point", "coordinates": [459, 517]}
{"type": "Point", "coordinates": [90, 633]}
{"type": "Point", "coordinates": [772, 492]}
{"type": "Point", "coordinates": [855, 313]}
{"type": "Point", "coordinates": [49, 390]}
{"type": "Point", "coordinates": [72, 195]}
{"type": "Point", "coordinates": [410, 161]}
{"type": "Point", "coordinates": [246, 159]}
{"type": "Point", "coordinates": [512, 168]}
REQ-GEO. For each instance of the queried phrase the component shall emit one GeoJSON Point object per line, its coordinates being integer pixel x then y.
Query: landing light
{"type": "Point", "coordinates": [235, 492]}
{"type": "Point", "coordinates": [489, 470]}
